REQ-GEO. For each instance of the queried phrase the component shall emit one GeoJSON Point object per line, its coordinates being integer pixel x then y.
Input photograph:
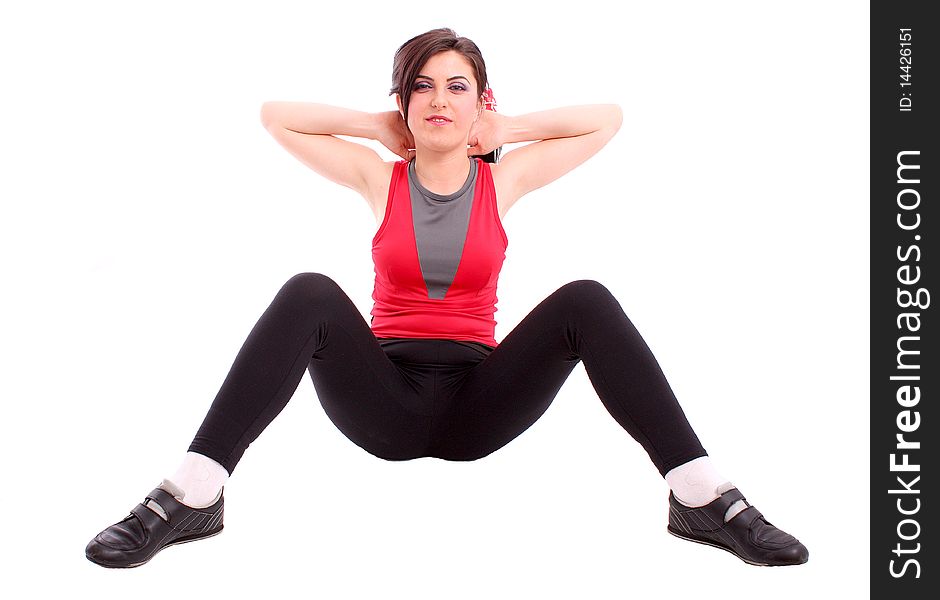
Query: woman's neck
{"type": "Point", "coordinates": [442, 173]}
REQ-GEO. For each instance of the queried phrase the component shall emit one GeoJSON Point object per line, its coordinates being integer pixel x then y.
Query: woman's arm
{"type": "Point", "coordinates": [566, 138]}
{"type": "Point", "coordinates": [307, 130]}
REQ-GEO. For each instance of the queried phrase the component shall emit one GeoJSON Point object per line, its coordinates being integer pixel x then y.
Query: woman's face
{"type": "Point", "coordinates": [444, 102]}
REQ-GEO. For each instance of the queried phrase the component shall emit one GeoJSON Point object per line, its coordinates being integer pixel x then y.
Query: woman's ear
{"type": "Point", "coordinates": [401, 107]}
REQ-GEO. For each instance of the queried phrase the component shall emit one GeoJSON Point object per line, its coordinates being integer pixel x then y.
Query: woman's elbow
{"type": "Point", "coordinates": [616, 117]}
{"type": "Point", "coordinates": [269, 111]}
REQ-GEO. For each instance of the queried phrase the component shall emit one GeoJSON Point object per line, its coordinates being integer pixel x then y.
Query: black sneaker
{"type": "Point", "coordinates": [747, 535]}
{"type": "Point", "coordinates": [159, 521]}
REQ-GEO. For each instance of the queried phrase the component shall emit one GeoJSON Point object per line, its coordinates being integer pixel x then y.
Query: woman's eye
{"type": "Point", "coordinates": [422, 86]}
{"type": "Point", "coordinates": [459, 87]}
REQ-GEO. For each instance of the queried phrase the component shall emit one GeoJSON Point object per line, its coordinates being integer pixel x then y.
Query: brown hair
{"type": "Point", "coordinates": [413, 54]}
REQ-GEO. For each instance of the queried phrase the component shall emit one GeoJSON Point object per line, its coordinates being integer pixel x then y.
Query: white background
{"type": "Point", "coordinates": [148, 220]}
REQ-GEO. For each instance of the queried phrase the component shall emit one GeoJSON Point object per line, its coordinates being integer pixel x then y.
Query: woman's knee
{"type": "Point", "coordinates": [586, 293]}
{"type": "Point", "coordinates": [589, 301]}
{"type": "Point", "coordinates": [310, 288]}
{"type": "Point", "coordinates": [585, 286]}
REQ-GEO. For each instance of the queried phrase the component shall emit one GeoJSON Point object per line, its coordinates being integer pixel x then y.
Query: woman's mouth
{"type": "Point", "coordinates": [437, 120]}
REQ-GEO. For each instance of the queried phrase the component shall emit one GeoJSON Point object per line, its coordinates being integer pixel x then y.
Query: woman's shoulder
{"type": "Point", "coordinates": [502, 188]}
{"type": "Point", "coordinates": [380, 180]}
{"type": "Point", "coordinates": [379, 175]}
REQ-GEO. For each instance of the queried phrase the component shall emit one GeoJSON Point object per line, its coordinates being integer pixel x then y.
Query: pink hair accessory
{"type": "Point", "coordinates": [489, 100]}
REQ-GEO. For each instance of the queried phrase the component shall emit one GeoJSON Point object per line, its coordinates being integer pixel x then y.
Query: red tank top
{"type": "Point", "coordinates": [404, 307]}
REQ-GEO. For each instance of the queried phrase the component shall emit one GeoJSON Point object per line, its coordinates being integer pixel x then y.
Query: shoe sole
{"type": "Point", "coordinates": [684, 536]}
{"type": "Point", "coordinates": [181, 540]}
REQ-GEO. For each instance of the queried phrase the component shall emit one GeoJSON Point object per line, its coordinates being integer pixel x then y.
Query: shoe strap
{"type": "Point", "coordinates": [150, 520]}
{"type": "Point", "coordinates": [749, 515]}
{"type": "Point", "coordinates": [718, 508]}
{"type": "Point", "coordinates": [163, 498]}
{"type": "Point", "coordinates": [181, 517]}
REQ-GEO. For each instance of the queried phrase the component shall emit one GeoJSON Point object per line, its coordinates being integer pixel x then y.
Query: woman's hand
{"type": "Point", "coordinates": [488, 133]}
{"type": "Point", "coordinates": [394, 135]}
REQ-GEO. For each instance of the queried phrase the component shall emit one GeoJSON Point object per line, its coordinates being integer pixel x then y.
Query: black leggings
{"type": "Point", "coordinates": [404, 399]}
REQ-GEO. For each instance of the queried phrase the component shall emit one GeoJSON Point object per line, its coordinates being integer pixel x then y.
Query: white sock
{"type": "Point", "coordinates": [200, 479]}
{"type": "Point", "coordinates": [698, 482]}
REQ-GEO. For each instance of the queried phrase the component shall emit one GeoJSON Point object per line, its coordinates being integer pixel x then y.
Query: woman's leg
{"type": "Point", "coordinates": [512, 388]}
{"type": "Point", "coordinates": [582, 321]}
{"type": "Point", "coordinates": [312, 323]}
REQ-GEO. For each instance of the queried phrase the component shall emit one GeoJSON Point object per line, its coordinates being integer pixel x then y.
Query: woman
{"type": "Point", "coordinates": [426, 377]}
